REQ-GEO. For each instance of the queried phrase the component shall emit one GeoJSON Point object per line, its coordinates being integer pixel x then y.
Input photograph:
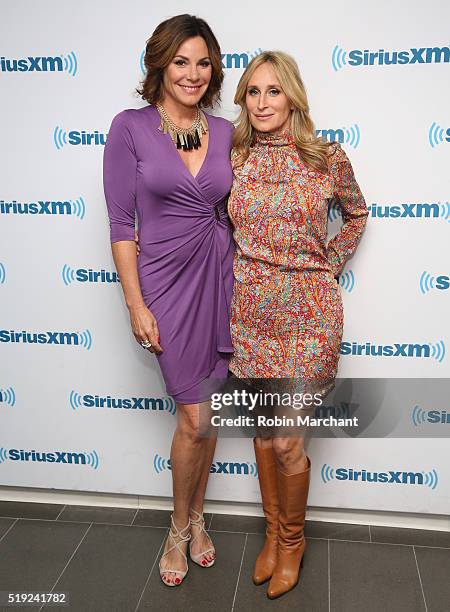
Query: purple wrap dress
{"type": "Point", "coordinates": [185, 265]}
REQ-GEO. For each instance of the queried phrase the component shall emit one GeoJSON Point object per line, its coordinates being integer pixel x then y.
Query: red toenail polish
{"type": "Point", "coordinates": [177, 580]}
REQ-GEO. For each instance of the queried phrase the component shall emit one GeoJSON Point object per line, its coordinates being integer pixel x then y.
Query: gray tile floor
{"type": "Point", "coordinates": [106, 559]}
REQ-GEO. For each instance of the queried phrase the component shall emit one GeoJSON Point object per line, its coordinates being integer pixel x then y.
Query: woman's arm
{"type": "Point", "coordinates": [353, 209]}
{"type": "Point", "coordinates": [119, 182]}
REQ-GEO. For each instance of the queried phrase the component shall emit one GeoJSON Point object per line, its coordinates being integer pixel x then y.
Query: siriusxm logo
{"type": "Point", "coordinates": [427, 282]}
{"type": "Point", "coordinates": [427, 479]}
{"type": "Point", "coordinates": [83, 275]}
{"type": "Point", "coordinates": [77, 338]}
{"type": "Point", "coordinates": [343, 410]}
{"type": "Point", "coordinates": [75, 137]}
{"type": "Point", "coordinates": [239, 60]}
{"type": "Point", "coordinates": [422, 210]}
{"type": "Point", "coordinates": [367, 349]}
{"type": "Point", "coordinates": [350, 136]}
{"type": "Point", "coordinates": [246, 468]}
{"type": "Point", "coordinates": [76, 208]}
{"type": "Point", "coordinates": [436, 417]}
{"type": "Point", "coordinates": [2, 274]}
{"type": "Point", "coordinates": [76, 400]}
{"type": "Point", "coordinates": [437, 135]}
{"type": "Point", "coordinates": [7, 396]}
{"type": "Point", "coordinates": [347, 280]}
{"type": "Point", "coordinates": [434, 210]}
{"type": "Point", "coordinates": [68, 457]}
{"type": "Point", "coordinates": [229, 60]}
{"type": "Point", "coordinates": [364, 57]}
{"type": "Point", "coordinates": [58, 63]}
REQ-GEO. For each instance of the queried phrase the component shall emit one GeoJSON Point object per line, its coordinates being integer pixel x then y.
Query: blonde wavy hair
{"type": "Point", "coordinates": [313, 150]}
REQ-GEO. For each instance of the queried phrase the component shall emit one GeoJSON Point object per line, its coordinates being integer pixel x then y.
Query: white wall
{"type": "Point", "coordinates": [384, 112]}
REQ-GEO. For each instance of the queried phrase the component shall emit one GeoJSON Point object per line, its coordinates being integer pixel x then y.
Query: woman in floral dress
{"type": "Point", "coordinates": [287, 314]}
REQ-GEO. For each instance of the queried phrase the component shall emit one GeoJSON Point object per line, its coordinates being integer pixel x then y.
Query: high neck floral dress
{"type": "Point", "coordinates": [286, 313]}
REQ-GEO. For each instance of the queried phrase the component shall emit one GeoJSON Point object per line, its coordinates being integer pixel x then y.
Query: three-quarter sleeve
{"type": "Point", "coordinates": [119, 178]}
{"type": "Point", "coordinates": [353, 208]}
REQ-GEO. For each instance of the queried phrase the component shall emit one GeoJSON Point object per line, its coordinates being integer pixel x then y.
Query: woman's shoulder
{"type": "Point", "coordinates": [336, 153]}
{"type": "Point", "coordinates": [334, 148]}
{"type": "Point", "coordinates": [130, 116]}
{"type": "Point", "coordinates": [220, 122]}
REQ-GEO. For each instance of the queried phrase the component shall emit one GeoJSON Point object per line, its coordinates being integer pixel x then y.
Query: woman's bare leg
{"type": "Point", "coordinates": [203, 541]}
{"type": "Point", "coordinates": [189, 455]}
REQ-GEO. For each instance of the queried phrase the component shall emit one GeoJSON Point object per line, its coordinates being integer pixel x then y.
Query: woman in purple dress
{"type": "Point", "coordinates": [168, 164]}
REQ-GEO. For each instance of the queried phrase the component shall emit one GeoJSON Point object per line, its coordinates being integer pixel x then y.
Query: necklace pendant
{"type": "Point", "coordinates": [183, 138]}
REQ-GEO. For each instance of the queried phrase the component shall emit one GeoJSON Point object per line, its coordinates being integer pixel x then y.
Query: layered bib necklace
{"type": "Point", "coordinates": [183, 138]}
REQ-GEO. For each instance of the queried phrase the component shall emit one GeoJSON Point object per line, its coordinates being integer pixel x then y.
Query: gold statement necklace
{"type": "Point", "coordinates": [183, 138]}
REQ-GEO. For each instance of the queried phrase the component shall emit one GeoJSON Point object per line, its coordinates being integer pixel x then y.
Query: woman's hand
{"type": "Point", "coordinates": [145, 327]}
{"type": "Point", "coordinates": [136, 239]}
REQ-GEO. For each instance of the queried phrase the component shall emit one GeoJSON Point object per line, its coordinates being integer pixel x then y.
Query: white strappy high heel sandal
{"type": "Point", "coordinates": [174, 532]}
{"type": "Point", "coordinates": [200, 522]}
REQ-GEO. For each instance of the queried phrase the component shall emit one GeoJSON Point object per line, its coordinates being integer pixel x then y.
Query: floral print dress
{"type": "Point", "coordinates": [286, 313]}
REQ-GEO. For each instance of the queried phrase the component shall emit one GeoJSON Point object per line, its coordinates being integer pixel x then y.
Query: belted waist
{"type": "Point", "coordinates": [220, 210]}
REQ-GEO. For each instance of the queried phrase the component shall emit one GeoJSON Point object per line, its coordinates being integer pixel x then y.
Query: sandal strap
{"type": "Point", "coordinates": [174, 532]}
{"type": "Point", "coordinates": [200, 522]}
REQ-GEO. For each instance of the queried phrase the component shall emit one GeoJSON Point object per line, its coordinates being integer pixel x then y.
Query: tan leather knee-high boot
{"type": "Point", "coordinates": [267, 474]}
{"type": "Point", "coordinates": [293, 494]}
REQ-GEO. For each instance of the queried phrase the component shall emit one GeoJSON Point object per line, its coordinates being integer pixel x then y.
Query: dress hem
{"type": "Point", "coordinates": [202, 377]}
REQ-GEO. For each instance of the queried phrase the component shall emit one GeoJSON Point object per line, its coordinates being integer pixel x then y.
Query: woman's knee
{"type": "Point", "coordinates": [191, 426]}
{"type": "Point", "coordinates": [288, 451]}
{"type": "Point", "coordinates": [263, 442]}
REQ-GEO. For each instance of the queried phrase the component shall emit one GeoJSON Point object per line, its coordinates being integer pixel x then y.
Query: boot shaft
{"type": "Point", "coordinates": [293, 492]}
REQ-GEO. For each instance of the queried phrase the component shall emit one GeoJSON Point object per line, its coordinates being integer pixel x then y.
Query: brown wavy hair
{"type": "Point", "coordinates": [162, 47]}
{"type": "Point", "coordinates": [313, 150]}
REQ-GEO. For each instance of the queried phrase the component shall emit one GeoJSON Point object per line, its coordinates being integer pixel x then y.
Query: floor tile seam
{"type": "Point", "coordinates": [420, 580]}
{"type": "Point", "coordinates": [239, 573]}
{"type": "Point", "coordinates": [69, 560]}
{"type": "Point", "coordinates": [62, 510]}
{"type": "Point", "coordinates": [134, 517]}
{"type": "Point", "coordinates": [339, 539]}
{"type": "Point", "coordinates": [371, 541]}
{"type": "Point", "coordinates": [383, 543]}
{"type": "Point", "coordinates": [151, 571]}
{"type": "Point", "coordinates": [8, 530]}
{"type": "Point", "coordinates": [329, 575]}
{"type": "Point", "coordinates": [88, 522]}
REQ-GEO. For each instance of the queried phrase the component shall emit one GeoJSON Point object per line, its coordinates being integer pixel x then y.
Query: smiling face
{"type": "Point", "coordinates": [187, 77]}
{"type": "Point", "coordinates": [268, 107]}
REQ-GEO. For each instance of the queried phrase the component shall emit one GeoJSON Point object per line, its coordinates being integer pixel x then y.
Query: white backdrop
{"type": "Point", "coordinates": [78, 65]}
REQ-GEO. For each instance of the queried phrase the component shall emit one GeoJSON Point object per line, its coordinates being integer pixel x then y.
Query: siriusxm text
{"type": "Point", "coordinates": [421, 55]}
{"type": "Point", "coordinates": [389, 477]}
{"type": "Point", "coordinates": [386, 350]}
{"type": "Point", "coordinates": [132, 403]}
{"type": "Point", "coordinates": [47, 337]}
{"type": "Point", "coordinates": [32, 64]}
{"type": "Point", "coordinates": [48, 457]}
